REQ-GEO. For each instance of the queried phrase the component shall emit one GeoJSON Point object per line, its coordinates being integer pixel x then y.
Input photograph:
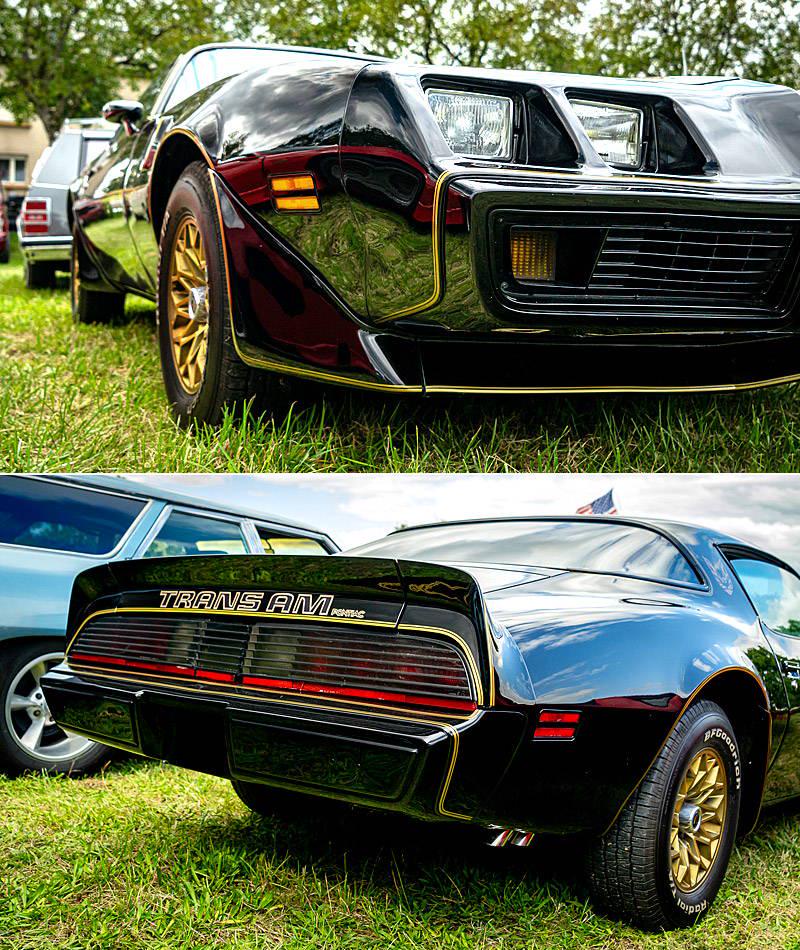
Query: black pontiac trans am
{"type": "Point", "coordinates": [427, 229]}
{"type": "Point", "coordinates": [635, 684]}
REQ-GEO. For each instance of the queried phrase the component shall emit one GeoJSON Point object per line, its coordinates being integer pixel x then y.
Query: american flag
{"type": "Point", "coordinates": [604, 505]}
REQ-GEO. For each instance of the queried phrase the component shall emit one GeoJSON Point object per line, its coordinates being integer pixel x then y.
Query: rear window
{"type": "Point", "coordinates": [604, 547]}
{"type": "Point", "coordinates": [60, 164]}
{"type": "Point", "coordinates": [55, 516]}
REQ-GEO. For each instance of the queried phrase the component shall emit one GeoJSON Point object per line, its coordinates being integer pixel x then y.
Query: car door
{"type": "Point", "coordinates": [186, 77]}
{"type": "Point", "coordinates": [102, 212]}
{"type": "Point", "coordinates": [774, 590]}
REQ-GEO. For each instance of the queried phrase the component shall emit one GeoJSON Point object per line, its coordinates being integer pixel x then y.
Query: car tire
{"type": "Point", "coordinates": [39, 275]}
{"type": "Point", "coordinates": [91, 306]}
{"type": "Point", "coordinates": [29, 739]}
{"type": "Point", "coordinates": [203, 373]}
{"type": "Point", "coordinates": [634, 873]}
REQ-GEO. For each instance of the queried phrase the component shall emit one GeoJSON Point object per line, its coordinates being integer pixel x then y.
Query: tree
{"type": "Point", "coordinates": [703, 37]}
{"type": "Point", "coordinates": [503, 33]}
{"type": "Point", "coordinates": [67, 57]}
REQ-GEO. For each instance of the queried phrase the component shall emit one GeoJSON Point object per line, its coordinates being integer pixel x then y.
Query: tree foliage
{"type": "Point", "coordinates": [523, 33]}
{"type": "Point", "coordinates": [750, 38]}
{"type": "Point", "coordinates": [62, 58]}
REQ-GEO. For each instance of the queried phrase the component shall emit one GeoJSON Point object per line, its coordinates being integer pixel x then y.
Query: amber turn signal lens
{"type": "Point", "coordinates": [533, 254]}
{"type": "Point", "coordinates": [298, 203]}
{"type": "Point", "coordinates": [293, 183]}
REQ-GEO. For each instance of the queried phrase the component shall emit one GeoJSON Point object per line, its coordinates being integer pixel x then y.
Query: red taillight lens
{"type": "Point", "coordinates": [556, 724]}
{"type": "Point", "coordinates": [35, 216]}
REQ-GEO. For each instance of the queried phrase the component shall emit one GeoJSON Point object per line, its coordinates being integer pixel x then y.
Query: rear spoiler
{"type": "Point", "coordinates": [371, 592]}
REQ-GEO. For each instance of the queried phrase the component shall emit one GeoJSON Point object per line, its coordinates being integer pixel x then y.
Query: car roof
{"type": "Point", "coordinates": [281, 48]}
{"type": "Point", "coordinates": [129, 486]}
{"type": "Point", "coordinates": [677, 530]}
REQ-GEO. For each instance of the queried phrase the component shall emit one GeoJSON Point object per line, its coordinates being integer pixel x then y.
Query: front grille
{"type": "Point", "coordinates": [691, 263]}
{"type": "Point", "coordinates": [624, 263]}
{"type": "Point", "coordinates": [382, 665]}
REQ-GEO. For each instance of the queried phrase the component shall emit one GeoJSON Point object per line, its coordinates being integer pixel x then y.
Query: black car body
{"type": "Point", "coordinates": [526, 675]}
{"type": "Point", "coordinates": [45, 235]}
{"type": "Point", "coordinates": [361, 248]}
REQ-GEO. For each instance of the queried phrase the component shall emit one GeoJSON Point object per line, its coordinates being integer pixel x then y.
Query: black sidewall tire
{"type": "Point", "coordinates": [190, 197]}
{"type": "Point", "coordinates": [91, 306]}
{"type": "Point", "coordinates": [13, 761]}
{"type": "Point", "coordinates": [39, 275]}
{"type": "Point", "coordinates": [714, 731]}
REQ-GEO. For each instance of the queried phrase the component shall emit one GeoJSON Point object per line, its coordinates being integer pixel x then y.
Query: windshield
{"type": "Point", "coordinates": [211, 65]}
{"type": "Point", "coordinates": [605, 547]}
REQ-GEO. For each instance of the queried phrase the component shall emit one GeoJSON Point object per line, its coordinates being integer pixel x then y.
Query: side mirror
{"type": "Point", "coordinates": [126, 111]}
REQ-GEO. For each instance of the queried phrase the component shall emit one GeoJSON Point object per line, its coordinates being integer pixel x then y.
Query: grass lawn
{"type": "Point", "coordinates": [156, 857]}
{"type": "Point", "coordinates": [90, 398]}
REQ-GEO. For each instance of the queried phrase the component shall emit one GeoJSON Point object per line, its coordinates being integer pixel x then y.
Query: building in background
{"type": "Point", "coordinates": [21, 144]}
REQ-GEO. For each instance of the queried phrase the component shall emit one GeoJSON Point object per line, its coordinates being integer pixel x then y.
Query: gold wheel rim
{"type": "Point", "coordinates": [188, 305]}
{"type": "Point", "coordinates": [698, 820]}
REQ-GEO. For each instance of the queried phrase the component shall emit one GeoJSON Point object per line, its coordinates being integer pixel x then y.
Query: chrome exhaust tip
{"type": "Point", "coordinates": [513, 837]}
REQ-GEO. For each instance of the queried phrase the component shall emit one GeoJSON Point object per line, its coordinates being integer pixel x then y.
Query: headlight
{"type": "Point", "coordinates": [615, 131]}
{"type": "Point", "coordinates": [474, 125]}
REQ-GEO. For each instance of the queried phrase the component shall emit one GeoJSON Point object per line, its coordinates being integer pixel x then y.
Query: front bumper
{"type": "Point", "coordinates": [436, 768]}
{"type": "Point", "coordinates": [459, 343]}
{"type": "Point", "coordinates": [56, 249]}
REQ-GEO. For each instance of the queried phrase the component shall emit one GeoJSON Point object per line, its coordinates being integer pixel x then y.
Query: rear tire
{"type": "Point", "coordinates": [29, 740]}
{"type": "Point", "coordinates": [39, 275]}
{"type": "Point", "coordinates": [205, 376]}
{"type": "Point", "coordinates": [631, 870]}
{"type": "Point", "coordinates": [91, 306]}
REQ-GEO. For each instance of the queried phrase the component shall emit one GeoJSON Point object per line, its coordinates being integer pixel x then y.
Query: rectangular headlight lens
{"type": "Point", "coordinates": [474, 125]}
{"type": "Point", "coordinates": [615, 131]}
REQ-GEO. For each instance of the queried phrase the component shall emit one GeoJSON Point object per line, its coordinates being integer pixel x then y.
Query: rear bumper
{"type": "Point", "coordinates": [424, 765]}
{"type": "Point", "coordinates": [47, 249]}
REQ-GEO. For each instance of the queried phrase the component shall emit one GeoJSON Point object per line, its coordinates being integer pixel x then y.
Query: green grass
{"type": "Point", "coordinates": [90, 398]}
{"type": "Point", "coordinates": [156, 857]}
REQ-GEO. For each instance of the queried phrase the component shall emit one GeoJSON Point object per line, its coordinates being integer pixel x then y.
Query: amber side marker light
{"type": "Point", "coordinates": [533, 254]}
{"type": "Point", "coordinates": [294, 193]}
{"type": "Point", "coordinates": [554, 724]}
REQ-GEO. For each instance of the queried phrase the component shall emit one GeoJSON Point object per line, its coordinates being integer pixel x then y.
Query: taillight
{"type": "Point", "coordinates": [35, 216]}
{"type": "Point", "coordinates": [556, 724]}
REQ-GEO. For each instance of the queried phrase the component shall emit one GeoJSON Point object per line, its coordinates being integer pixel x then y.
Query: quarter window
{"type": "Point", "coordinates": [53, 515]}
{"type": "Point", "coordinates": [774, 591]}
{"type": "Point", "coordinates": [184, 533]}
{"type": "Point", "coordinates": [281, 544]}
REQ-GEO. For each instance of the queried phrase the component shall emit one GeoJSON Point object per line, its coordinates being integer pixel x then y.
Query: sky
{"type": "Point", "coordinates": [761, 509]}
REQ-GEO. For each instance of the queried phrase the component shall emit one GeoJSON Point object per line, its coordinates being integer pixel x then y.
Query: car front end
{"type": "Point", "coordinates": [537, 232]}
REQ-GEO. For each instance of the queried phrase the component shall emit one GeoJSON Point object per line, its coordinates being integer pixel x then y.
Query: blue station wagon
{"type": "Point", "coordinates": [54, 527]}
